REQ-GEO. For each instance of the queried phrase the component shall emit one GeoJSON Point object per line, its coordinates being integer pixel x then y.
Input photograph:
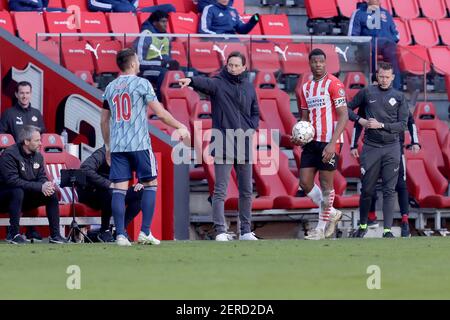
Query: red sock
{"type": "Point", "coordinates": [372, 215]}
{"type": "Point", "coordinates": [405, 218]}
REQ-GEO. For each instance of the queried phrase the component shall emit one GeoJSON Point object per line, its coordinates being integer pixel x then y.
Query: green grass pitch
{"type": "Point", "coordinates": [416, 268]}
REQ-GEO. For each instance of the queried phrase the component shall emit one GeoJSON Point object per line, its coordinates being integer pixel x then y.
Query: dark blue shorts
{"type": "Point", "coordinates": [124, 163]}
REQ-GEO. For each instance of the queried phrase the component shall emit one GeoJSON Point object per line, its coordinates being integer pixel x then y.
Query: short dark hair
{"type": "Point", "coordinates": [316, 52]}
{"type": "Point", "coordinates": [124, 57]}
{"type": "Point", "coordinates": [385, 66]}
{"type": "Point", "coordinates": [26, 132]}
{"type": "Point", "coordinates": [23, 84]}
{"type": "Point", "coordinates": [158, 15]}
{"type": "Point", "coordinates": [237, 54]}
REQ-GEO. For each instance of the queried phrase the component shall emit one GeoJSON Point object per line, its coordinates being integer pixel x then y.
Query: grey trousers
{"type": "Point", "coordinates": [384, 160]}
{"type": "Point", "coordinates": [245, 185]}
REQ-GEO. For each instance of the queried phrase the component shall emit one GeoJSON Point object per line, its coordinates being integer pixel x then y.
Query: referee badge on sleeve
{"type": "Point", "coordinates": [392, 101]}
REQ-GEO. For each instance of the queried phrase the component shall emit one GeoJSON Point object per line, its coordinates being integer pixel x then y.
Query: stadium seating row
{"type": "Point", "coordinates": [184, 6]}
{"type": "Point", "coordinates": [406, 9]}
{"type": "Point", "coordinates": [27, 24]}
{"type": "Point", "coordinates": [424, 31]}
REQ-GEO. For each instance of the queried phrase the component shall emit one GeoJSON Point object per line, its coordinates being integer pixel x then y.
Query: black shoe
{"type": "Point", "coordinates": [17, 239]}
{"type": "Point", "coordinates": [33, 235]}
{"type": "Point", "coordinates": [359, 233]}
{"type": "Point", "coordinates": [372, 224]}
{"type": "Point", "coordinates": [105, 236]}
{"type": "Point", "coordinates": [405, 230]}
{"type": "Point", "coordinates": [57, 239]}
{"type": "Point", "coordinates": [388, 234]}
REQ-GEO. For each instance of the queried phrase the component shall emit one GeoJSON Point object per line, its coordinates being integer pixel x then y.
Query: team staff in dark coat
{"type": "Point", "coordinates": [13, 120]}
{"type": "Point", "coordinates": [98, 193]}
{"type": "Point", "coordinates": [22, 113]}
{"type": "Point", "coordinates": [386, 110]}
{"type": "Point", "coordinates": [24, 185]}
{"type": "Point", "coordinates": [234, 106]}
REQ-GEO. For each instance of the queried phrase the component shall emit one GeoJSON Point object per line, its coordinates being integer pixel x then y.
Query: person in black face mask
{"type": "Point", "coordinates": [235, 117]}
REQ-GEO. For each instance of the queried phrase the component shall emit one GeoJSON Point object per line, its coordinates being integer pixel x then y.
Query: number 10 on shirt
{"type": "Point", "coordinates": [122, 102]}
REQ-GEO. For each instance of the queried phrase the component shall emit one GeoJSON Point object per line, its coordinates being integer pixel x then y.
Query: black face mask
{"type": "Point", "coordinates": [231, 77]}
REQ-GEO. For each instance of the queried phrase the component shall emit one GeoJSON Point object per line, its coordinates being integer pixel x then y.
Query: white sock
{"type": "Point", "coordinates": [316, 196]}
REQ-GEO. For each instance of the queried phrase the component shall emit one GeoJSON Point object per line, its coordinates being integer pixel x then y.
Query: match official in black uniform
{"type": "Point", "coordinates": [387, 111]}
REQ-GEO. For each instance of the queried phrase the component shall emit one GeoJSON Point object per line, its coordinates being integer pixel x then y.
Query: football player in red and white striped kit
{"type": "Point", "coordinates": [323, 103]}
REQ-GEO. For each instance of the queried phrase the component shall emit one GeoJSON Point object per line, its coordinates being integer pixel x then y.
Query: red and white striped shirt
{"type": "Point", "coordinates": [322, 98]}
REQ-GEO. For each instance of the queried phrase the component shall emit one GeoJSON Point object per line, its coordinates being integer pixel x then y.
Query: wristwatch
{"type": "Point", "coordinates": [382, 125]}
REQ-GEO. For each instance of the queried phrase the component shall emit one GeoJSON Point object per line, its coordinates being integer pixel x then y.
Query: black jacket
{"type": "Point", "coordinates": [14, 118]}
{"type": "Point", "coordinates": [386, 106]}
{"type": "Point", "coordinates": [97, 170]}
{"type": "Point", "coordinates": [411, 128]}
{"type": "Point", "coordinates": [18, 169]}
{"type": "Point", "coordinates": [234, 105]}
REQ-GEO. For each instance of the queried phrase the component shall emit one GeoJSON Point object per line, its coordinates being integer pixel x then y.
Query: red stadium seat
{"type": "Point", "coordinates": [386, 4]}
{"type": "Point", "coordinates": [58, 22]}
{"type": "Point", "coordinates": [414, 59]}
{"type": "Point", "coordinates": [443, 27]}
{"type": "Point", "coordinates": [75, 57]}
{"type": "Point", "coordinates": [225, 48]}
{"type": "Point", "coordinates": [123, 22]}
{"type": "Point", "coordinates": [347, 7]}
{"type": "Point", "coordinates": [178, 101]}
{"type": "Point", "coordinates": [432, 135]}
{"type": "Point", "coordinates": [425, 183]}
{"type": "Point", "coordinates": [6, 22]}
{"type": "Point", "coordinates": [273, 178]}
{"type": "Point", "coordinates": [274, 106]}
{"type": "Point", "coordinates": [294, 58]}
{"type": "Point", "coordinates": [4, 5]}
{"type": "Point", "coordinates": [178, 52]}
{"type": "Point", "coordinates": [256, 31]}
{"type": "Point", "coordinates": [439, 57]}
{"type": "Point", "coordinates": [56, 158]}
{"type": "Point", "coordinates": [239, 5]}
{"type": "Point", "coordinates": [433, 9]}
{"type": "Point", "coordinates": [333, 64]}
{"type": "Point", "coordinates": [94, 22]}
{"type": "Point", "coordinates": [55, 4]}
{"type": "Point", "coordinates": [183, 23]}
{"type": "Point", "coordinates": [180, 5]}
{"type": "Point", "coordinates": [28, 24]}
{"type": "Point", "coordinates": [146, 3]}
{"type": "Point", "coordinates": [347, 164]}
{"type": "Point", "coordinates": [143, 16]}
{"type": "Point", "coordinates": [85, 76]}
{"type": "Point", "coordinates": [264, 58]}
{"type": "Point", "coordinates": [275, 24]}
{"type": "Point", "coordinates": [107, 52]}
{"type": "Point", "coordinates": [424, 32]}
{"type": "Point", "coordinates": [6, 140]}
{"type": "Point", "coordinates": [51, 49]}
{"type": "Point", "coordinates": [447, 2]}
{"type": "Point", "coordinates": [406, 9]}
{"type": "Point", "coordinates": [321, 9]}
{"type": "Point", "coordinates": [353, 82]}
{"type": "Point", "coordinates": [82, 4]}
{"type": "Point", "coordinates": [203, 57]}
{"type": "Point", "coordinates": [156, 122]}
{"type": "Point", "coordinates": [404, 31]}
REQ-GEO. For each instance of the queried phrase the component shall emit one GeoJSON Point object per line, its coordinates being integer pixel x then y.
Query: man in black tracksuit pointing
{"type": "Point", "coordinates": [387, 111]}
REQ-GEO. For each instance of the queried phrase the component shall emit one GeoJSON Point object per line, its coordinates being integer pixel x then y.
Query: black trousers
{"type": "Point", "coordinates": [401, 188]}
{"type": "Point", "coordinates": [16, 200]}
{"type": "Point", "coordinates": [100, 199]}
{"type": "Point", "coordinates": [375, 161]}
